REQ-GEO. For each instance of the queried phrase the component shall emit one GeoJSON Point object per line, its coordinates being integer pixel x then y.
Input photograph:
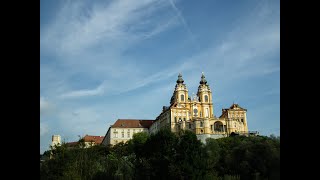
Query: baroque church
{"type": "Point", "coordinates": [193, 113]}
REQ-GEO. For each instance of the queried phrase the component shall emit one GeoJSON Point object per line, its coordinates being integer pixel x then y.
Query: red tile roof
{"type": "Point", "coordinates": [132, 123]}
{"type": "Point", "coordinates": [95, 139]}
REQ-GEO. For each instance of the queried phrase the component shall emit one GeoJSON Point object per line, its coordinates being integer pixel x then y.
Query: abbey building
{"type": "Point", "coordinates": [194, 113]}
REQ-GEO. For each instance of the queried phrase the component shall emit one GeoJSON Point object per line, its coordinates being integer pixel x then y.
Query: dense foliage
{"type": "Point", "coordinates": [167, 156]}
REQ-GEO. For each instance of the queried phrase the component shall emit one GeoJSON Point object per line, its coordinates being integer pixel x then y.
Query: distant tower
{"type": "Point", "coordinates": [205, 98]}
{"type": "Point", "coordinates": [56, 140]}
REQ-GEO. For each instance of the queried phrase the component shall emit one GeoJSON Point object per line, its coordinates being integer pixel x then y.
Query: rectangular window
{"type": "Point", "coordinates": [122, 134]}
{"type": "Point", "coordinates": [115, 134]}
{"type": "Point", "coordinates": [207, 112]}
{"type": "Point", "coordinates": [128, 135]}
{"type": "Point", "coordinates": [189, 125]}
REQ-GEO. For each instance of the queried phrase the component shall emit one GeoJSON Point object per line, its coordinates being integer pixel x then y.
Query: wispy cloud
{"type": "Point", "coordinates": [162, 27]}
{"type": "Point", "coordinates": [82, 36]}
{"type": "Point", "coordinates": [79, 26]}
{"type": "Point", "coordinates": [84, 93]}
{"type": "Point", "coordinates": [126, 86]}
{"type": "Point", "coordinates": [92, 50]}
{"type": "Point", "coordinates": [110, 22]}
{"type": "Point", "coordinates": [183, 21]}
{"type": "Point", "coordinates": [243, 52]}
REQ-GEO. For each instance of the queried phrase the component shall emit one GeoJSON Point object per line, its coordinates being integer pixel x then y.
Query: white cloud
{"type": "Point", "coordinates": [162, 27]}
{"type": "Point", "coordinates": [117, 87]}
{"type": "Point", "coordinates": [240, 57]}
{"type": "Point", "coordinates": [84, 93]}
{"type": "Point", "coordinates": [79, 30]}
{"type": "Point", "coordinates": [117, 26]}
{"type": "Point", "coordinates": [78, 27]}
{"type": "Point", "coordinates": [161, 75]}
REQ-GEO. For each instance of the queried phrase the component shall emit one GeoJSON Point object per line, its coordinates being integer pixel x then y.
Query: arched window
{"type": "Point", "coordinates": [218, 126]}
{"type": "Point", "coordinates": [201, 124]}
{"type": "Point", "coordinates": [206, 99]}
{"type": "Point", "coordinates": [182, 97]}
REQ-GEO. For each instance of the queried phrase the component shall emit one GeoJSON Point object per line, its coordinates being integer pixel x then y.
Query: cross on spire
{"type": "Point", "coordinates": [203, 79]}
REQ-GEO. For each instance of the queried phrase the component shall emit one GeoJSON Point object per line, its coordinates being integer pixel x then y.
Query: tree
{"type": "Point", "coordinates": [137, 143]}
{"type": "Point", "coordinates": [158, 154]}
{"type": "Point", "coordinates": [249, 157]}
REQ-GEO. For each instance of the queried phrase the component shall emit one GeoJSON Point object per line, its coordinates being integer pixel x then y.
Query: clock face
{"type": "Point", "coordinates": [195, 111]}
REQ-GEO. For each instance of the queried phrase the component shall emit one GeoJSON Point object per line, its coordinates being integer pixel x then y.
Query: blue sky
{"type": "Point", "coordinates": [104, 60]}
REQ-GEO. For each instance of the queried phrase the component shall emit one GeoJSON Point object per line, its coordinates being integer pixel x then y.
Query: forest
{"type": "Point", "coordinates": [167, 155]}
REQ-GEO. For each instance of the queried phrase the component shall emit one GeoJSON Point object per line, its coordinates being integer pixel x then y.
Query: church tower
{"type": "Point", "coordinates": [195, 113]}
{"type": "Point", "coordinates": [180, 94]}
{"type": "Point", "coordinates": [205, 98]}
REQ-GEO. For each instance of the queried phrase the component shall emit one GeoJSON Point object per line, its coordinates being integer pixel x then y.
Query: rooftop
{"type": "Point", "coordinates": [132, 123]}
{"type": "Point", "coordinates": [95, 139]}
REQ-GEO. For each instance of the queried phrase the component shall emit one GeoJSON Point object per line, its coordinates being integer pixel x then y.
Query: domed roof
{"type": "Point", "coordinates": [203, 79]}
{"type": "Point", "coordinates": [180, 80]}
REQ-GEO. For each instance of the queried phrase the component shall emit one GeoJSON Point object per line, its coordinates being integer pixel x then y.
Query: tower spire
{"type": "Point", "coordinates": [203, 79]}
{"type": "Point", "coordinates": [180, 80]}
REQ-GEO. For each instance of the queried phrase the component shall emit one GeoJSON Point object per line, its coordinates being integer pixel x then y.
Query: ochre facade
{"type": "Point", "coordinates": [195, 113]}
